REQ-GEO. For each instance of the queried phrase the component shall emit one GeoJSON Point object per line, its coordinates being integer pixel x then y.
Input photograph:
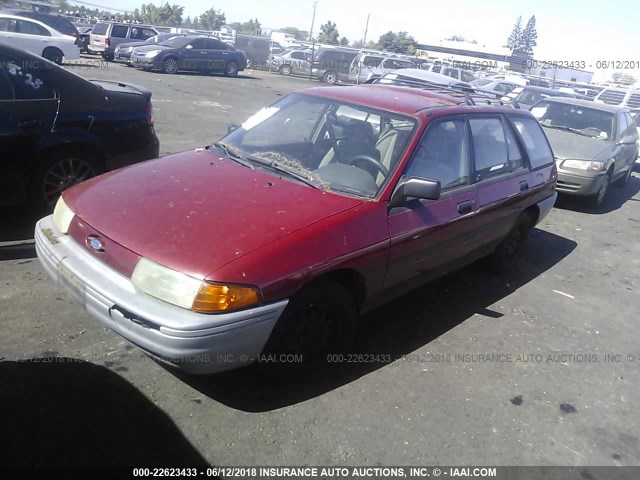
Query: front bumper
{"type": "Point", "coordinates": [141, 61]}
{"type": "Point", "coordinates": [122, 57]}
{"type": "Point", "coordinates": [193, 342]}
{"type": "Point", "coordinates": [575, 184]}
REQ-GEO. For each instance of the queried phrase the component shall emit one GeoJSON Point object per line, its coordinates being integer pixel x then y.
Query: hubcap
{"type": "Point", "coordinates": [171, 66]}
{"type": "Point", "coordinates": [63, 175]}
{"type": "Point", "coordinates": [331, 78]}
{"type": "Point", "coordinates": [313, 333]}
{"type": "Point", "coordinates": [231, 69]}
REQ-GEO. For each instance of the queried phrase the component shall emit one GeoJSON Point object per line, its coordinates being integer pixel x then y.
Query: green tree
{"type": "Point", "coordinates": [515, 39]}
{"type": "Point", "coordinates": [529, 37]}
{"type": "Point", "coordinates": [329, 34]}
{"type": "Point", "coordinates": [212, 19]}
{"type": "Point", "coordinates": [397, 42]}
{"type": "Point", "coordinates": [344, 41]}
{"type": "Point", "coordinates": [166, 15]}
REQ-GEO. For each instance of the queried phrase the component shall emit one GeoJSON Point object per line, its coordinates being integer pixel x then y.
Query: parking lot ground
{"type": "Point", "coordinates": [537, 367]}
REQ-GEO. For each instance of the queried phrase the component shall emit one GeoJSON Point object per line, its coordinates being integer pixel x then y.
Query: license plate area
{"type": "Point", "coordinates": [74, 285]}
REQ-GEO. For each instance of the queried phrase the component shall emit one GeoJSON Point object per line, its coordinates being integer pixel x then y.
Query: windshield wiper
{"type": "Point", "coordinates": [236, 157]}
{"type": "Point", "coordinates": [280, 167]}
{"type": "Point", "coordinates": [569, 129]}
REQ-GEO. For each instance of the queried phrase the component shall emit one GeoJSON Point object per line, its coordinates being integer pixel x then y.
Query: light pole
{"type": "Point", "coordinates": [313, 43]}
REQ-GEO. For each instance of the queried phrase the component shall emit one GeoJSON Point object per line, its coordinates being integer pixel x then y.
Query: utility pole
{"type": "Point", "coordinates": [313, 43]}
{"type": "Point", "coordinates": [366, 29]}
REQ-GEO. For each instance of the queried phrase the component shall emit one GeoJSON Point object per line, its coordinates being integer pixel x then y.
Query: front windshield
{"type": "Point", "coordinates": [176, 42]}
{"type": "Point", "coordinates": [583, 120]}
{"type": "Point", "coordinates": [331, 144]}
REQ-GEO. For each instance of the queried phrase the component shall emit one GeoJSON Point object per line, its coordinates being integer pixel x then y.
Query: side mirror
{"type": "Point", "coordinates": [628, 140]}
{"type": "Point", "coordinates": [189, 47]}
{"type": "Point", "coordinates": [415, 187]}
{"type": "Point", "coordinates": [231, 127]}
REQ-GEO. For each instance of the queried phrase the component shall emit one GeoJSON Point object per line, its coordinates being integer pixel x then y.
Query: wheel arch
{"type": "Point", "coordinates": [350, 279]}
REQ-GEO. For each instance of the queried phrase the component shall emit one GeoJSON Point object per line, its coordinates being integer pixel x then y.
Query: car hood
{"type": "Point", "coordinates": [575, 146]}
{"type": "Point", "coordinates": [197, 211]}
{"type": "Point", "coordinates": [122, 46]}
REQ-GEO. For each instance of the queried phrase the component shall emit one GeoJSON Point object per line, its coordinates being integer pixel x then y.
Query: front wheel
{"type": "Point", "coordinates": [598, 199]}
{"type": "Point", "coordinates": [285, 70]}
{"type": "Point", "coordinates": [170, 66]}
{"type": "Point", "coordinates": [320, 320]}
{"type": "Point", "coordinates": [107, 57]}
{"type": "Point", "coordinates": [231, 69]}
{"type": "Point", "coordinates": [330, 77]}
{"type": "Point", "coordinates": [509, 251]}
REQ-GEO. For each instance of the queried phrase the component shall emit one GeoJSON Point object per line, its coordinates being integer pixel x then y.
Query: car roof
{"type": "Point", "coordinates": [399, 99]}
{"type": "Point", "coordinates": [586, 103]}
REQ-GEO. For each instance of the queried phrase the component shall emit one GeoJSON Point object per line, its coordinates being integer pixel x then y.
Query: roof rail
{"type": "Point", "coordinates": [467, 95]}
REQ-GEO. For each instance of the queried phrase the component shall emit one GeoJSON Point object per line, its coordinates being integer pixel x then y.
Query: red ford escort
{"type": "Point", "coordinates": [316, 209]}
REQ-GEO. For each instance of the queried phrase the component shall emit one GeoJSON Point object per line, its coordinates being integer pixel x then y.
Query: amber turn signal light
{"type": "Point", "coordinates": [215, 298]}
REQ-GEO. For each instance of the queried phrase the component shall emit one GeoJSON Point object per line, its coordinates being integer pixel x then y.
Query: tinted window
{"type": "Point", "coordinates": [535, 141]}
{"type": "Point", "coordinates": [489, 147]}
{"type": "Point", "coordinates": [214, 44]}
{"type": "Point", "coordinates": [100, 29]}
{"type": "Point", "coordinates": [31, 28]}
{"type": "Point", "coordinates": [7, 25]}
{"type": "Point", "coordinates": [199, 43]}
{"type": "Point", "coordinates": [297, 55]}
{"type": "Point", "coordinates": [28, 81]}
{"type": "Point", "coordinates": [176, 42]}
{"type": "Point", "coordinates": [442, 154]}
{"type": "Point", "coordinates": [516, 159]}
{"type": "Point", "coordinates": [467, 77]}
{"type": "Point", "coordinates": [119, 31]}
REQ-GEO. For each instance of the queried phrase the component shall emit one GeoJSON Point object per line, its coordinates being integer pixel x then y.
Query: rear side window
{"type": "Point", "coordinates": [119, 31]}
{"type": "Point", "coordinates": [30, 28]}
{"type": "Point", "coordinates": [489, 147]}
{"type": "Point", "coordinates": [99, 29]}
{"type": "Point", "coordinates": [535, 141]}
{"type": "Point", "coordinates": [27, 80]}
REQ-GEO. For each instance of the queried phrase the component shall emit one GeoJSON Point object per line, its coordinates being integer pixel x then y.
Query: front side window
{"type": "Point", "coordinates": [578, 119]}
{"type": "Point", "coordinates": [334, 145]}
{"type": "Point", "coordinates": [467, 77]}
{"type": "Point", "coordinates": [443, 154]}
{"type": "Point", "coordinates": [24, 80]}
{"type": "Point", "coordinates": [535, 141]}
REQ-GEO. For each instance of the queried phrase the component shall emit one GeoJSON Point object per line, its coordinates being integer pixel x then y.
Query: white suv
{"type": "Point", "coordinates": [37, 38]}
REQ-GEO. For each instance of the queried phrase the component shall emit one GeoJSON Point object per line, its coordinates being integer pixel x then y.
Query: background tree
{"type": "Point", "coordinates": [515, 39]}
{"type": "Point", "coordinates": [397, 42]}
{"type": "Point", "coordinates": [529, 37]}
{"type": "Point", "coordinates": [212, 19]}
{"type": "Point", "coordinates": [329, 34]}
{"type": "Point", "coordinates": [166, 15]}
{"type": "Point", "coordinates": [344, 41]}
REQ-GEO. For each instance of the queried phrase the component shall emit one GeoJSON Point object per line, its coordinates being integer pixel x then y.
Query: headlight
{"type": "Point", "coordinates": [62, 216]}
{"type": "Point", "coordinates": [584, 165]}
{"type": "Point", "coordinates": [152, 53]}
{"type": "Point", "coordinates": [190, 293]}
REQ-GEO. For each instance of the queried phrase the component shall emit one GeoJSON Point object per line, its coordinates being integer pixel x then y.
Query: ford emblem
{"type": "Point", "coordinates": [95, 243]}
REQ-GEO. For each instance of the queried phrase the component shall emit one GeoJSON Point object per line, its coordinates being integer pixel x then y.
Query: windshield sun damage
{"type": "Point", "coordinates": [574, 118]}
{"type": "Point", "coordinates": [324, 143]}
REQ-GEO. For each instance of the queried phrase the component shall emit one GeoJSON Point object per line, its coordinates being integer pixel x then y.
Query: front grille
{"type": "Point", "coordinates": [567, 186]}
{"type": "Point", "coordinates": [612, 97]}
{"type": "Point", "coordinates": [634, 100]}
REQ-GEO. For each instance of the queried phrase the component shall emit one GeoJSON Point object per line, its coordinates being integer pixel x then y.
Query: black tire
{"type": "Point", "coordinates": [319, 320]}
{"type": "Point", "coordinates": [231, 70]}
{"type": "Point", "coordinates": [107, 57]}
{"type": "Point", "coordinates": [330, 77]}
{"type": "Point", "coordinates": [285, 70]}
{"type": "Point", "coordinates": [53, 55]}
{"type": "Point", "coordinates": [600, 196]}
{"type": "Point", "coordinates": [623, 181]}
{"type": "Point", "coordinates": [170, 65]}
{"type": "Point", "coordinates": [511, 248]}
{"type": "Point", "coordinates": [60, 171]}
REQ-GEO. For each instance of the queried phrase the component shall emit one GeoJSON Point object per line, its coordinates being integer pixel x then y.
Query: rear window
{"type": "Point", "coordinates": [534, 140]}
{"type": "Point", "coordinates": [100, 29]}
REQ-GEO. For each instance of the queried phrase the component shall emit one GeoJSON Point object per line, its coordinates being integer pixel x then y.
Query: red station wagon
{"type": "Point", "coordinates": [318, 208]}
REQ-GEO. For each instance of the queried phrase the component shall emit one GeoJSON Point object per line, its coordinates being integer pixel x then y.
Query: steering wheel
{"type": "Point", "coordinates": [371, 161]}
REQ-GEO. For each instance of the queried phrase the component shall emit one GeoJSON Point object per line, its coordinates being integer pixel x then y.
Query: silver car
{"type": "Point", "coordinates": [292, 62]}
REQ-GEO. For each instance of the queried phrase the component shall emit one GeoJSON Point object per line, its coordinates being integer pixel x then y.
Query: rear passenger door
{"type": "Point", "coordinates": [501, 177]}
{"type": "Point", "coordinates": [217, 53]}
{"type": "Point", "coordinates": [431, 237]}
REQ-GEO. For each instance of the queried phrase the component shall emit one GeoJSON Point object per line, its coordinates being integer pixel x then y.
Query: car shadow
{"type": "Point", "coordinates": [615, 199]}
{"type": "Point", "coordinates": [16, 232]}
{"type": "Point", "coordinates": [393, 330]}
{"type": "Point", "coordinates": [59, 411]}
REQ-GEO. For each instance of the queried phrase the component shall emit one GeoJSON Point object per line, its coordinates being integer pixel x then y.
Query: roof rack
{"type": "Point", "coordinates": [467, 95]}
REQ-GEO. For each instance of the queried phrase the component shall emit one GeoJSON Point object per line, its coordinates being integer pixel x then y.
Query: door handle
{"type": "Point", "coordinates": [465, 207]}
{"type": "Point", "coordinates": [29, 124]}
{"type": "Point", "coordinates": [524, 186]}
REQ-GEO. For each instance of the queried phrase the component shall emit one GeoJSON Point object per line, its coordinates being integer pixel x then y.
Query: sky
{"type": "Point", "coordinates": [579, 30]}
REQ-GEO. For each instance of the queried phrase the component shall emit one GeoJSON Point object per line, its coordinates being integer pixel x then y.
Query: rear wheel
{"type": "Point", "coordinates": [231, 69]}
{"type": "Point", "coordinates": [59, 172]}
{"type": "Point", "coordinates": [53, 55]}
{"type": "Point", "coordinates": [285, 70]}
{"type": "Point", "coordinates": [319, 320]}
{"type": "Point", "coordinates": [509, 251]}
